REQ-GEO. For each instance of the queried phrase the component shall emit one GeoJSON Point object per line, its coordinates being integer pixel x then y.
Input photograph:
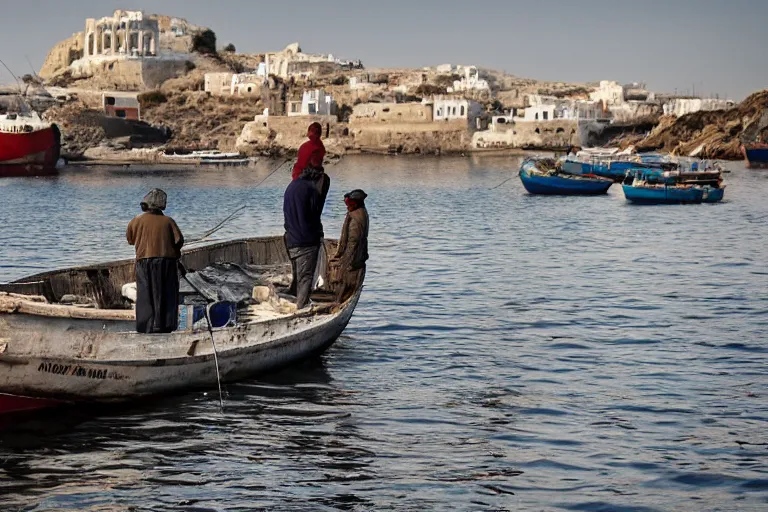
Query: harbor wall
{"type": "Point", "coordinates": [545, 134]}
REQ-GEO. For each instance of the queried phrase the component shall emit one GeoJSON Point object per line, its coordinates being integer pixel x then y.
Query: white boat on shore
{"type": "Point", "coordinates": [52, 352]}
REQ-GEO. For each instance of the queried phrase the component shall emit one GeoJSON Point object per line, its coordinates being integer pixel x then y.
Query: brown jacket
{"type": "Point", "coordinates": [353, 245]}
{"type": "Point", "coordinates": [155, 236]}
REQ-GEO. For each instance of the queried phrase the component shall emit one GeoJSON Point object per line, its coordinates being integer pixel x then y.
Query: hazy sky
{"type": "Point", "coordinates": [716, 46]}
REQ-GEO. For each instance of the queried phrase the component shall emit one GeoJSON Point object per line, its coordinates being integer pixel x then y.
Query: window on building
{"type": "Point", "coordinates": [545, 115]}
{"type": "Point", "coordinates": [120, 113]}
{"type": "Point", "coordinates": [110, 100]}
{"type": "Point", "coordinates": [312, 108]}
{"type": "Point", "coordinates": [537, 116]}
{"type": "Point", "coordinates": [462, 110]}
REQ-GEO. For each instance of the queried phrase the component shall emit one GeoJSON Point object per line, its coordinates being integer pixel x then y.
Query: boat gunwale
{"type": "Point", "coordinates": [48, 309]}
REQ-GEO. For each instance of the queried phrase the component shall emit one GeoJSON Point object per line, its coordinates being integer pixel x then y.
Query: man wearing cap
{"type": "Point", "coordinates": [302, 209]}
{"type": "Point", "coordinates": [158, 242]}
{"type": "Point", "coordinates": [348, 264]}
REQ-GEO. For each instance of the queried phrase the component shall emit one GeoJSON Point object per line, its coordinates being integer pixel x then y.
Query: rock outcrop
{"type": "Point", "coordinates": [714, 134]}
{"type": "Point", "coordinates": [62, 55]}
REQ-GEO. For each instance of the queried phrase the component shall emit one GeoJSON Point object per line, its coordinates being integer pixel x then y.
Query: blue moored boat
{"type": "Point", "coordinates": [654, 186]}
{"type": "Point", "coordinates": [542, 176]}
{"type": "Point", "coordinates": [755, 155]}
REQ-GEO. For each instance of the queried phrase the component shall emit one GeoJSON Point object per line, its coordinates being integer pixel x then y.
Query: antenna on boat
{"type": "Point", "coordinates": [18, 83]}
{"type": "Point", "coordinates": [34, 73]}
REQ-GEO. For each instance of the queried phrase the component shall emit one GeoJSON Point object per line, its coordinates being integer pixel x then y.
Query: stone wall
{"type": "Point", "coordinates": [391, 113]}
{"type": "Point", "coordinates": [433, 137]}
{"type": "Point", "coordinates": [547, 134]}
{"type": "Point", "coordinates": [634, 110]}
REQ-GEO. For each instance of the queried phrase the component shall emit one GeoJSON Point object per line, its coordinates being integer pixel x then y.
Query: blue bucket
{"type": "Point", "coordinates": [222, 314]}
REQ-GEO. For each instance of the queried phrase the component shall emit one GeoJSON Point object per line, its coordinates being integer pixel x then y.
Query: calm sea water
{"type": "Point", "coordinates": [510, 352]}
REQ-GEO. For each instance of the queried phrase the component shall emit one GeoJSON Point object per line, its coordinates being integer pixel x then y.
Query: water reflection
{"type": "Point", "coordinates": [509, 352]}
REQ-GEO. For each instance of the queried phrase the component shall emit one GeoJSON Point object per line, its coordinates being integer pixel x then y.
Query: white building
{"type": "Point", "coordinates": [609, 92]}
{"type": "Point", "coordinates": [546, 108]}
{"type": "Point", "coordinates": [218, 84]}
{"type": "Point", "coordinates": [125, 33]}
{"type": "Point", "coordinates": [470, 82]}
{"type": "Point", "coordinates": [448, 109]}
{"type": "Point", "coordinates": [682, 106]}
{"type": "Point", "coordinates": [230, 84]}
{"type": "Point", "coordinates": [543, 112]}
{"type": "Point", "coordinates": [313, 103]}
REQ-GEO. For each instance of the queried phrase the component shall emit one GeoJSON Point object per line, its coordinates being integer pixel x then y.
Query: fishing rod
{"type": "Point", "coordinates": [285, 161]}
{"type": "Point", "coordinates": [231, 215]}
{"type": "Point", "coordinates": [217, 227]}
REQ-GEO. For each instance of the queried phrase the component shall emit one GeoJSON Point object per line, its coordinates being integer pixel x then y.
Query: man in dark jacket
{"type": "Point", "coordinates": [348, 264]}
{"type": "Point", "coordinates": [302, 208]}
{"type": "Point", "coordinates": [158, 242]}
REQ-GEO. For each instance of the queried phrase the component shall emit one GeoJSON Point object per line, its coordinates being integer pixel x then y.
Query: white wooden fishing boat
{"type": "Point", "coordinates": [50, 352]}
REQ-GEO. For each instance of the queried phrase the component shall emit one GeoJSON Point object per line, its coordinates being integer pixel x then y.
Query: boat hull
{"type": "Point", "coordinates": [672, 195]}
{"type": "Point", "coordinates": [162, 363]}
{"type": "Point", "coordinates": [30, 154]}
{"type": "Point", "coordinates": [10, 404]}
{"type": "Point", "coordinates": [756, 155]}
{"type": "Point", "coordinates": [557, 185]}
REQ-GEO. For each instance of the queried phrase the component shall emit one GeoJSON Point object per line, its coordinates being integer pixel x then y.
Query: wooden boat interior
{"type": "Point", "coordinates": [101, 285]}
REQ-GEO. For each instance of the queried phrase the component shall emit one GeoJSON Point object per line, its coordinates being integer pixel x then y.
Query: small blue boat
{"type": "Point", "coordinates": [542, 176]}
{"type": "Point", "coordinates": [614, 167]}
{"type": "Point", "coordinates": [653, 186]}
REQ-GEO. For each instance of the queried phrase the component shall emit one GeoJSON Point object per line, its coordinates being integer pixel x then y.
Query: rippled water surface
{"type": "Point", "coordinates": [510, 352]}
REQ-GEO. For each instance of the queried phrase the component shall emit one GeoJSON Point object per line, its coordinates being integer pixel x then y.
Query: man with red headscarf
{"type": "Point", "coordinates": [311, 153]}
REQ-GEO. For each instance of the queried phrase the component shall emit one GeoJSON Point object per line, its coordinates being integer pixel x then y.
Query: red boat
{"type": "Point", "coordinates": [29, 146]}
{"type": "Point", "coordinates": [15, 403]}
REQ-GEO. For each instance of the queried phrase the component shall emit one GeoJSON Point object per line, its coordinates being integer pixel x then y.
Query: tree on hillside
{"type": "Point", "coordinates": [230, 48]}
{"type": "Point", "coordinates": [204, 42]}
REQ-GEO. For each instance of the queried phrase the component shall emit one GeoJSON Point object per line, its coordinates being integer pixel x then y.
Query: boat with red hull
{"type": "Point", "coordinates": [16, 403]}
{"type": "Point", "coordinates": [29, 146]}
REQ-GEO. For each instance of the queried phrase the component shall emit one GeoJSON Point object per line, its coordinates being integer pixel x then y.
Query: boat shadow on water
{"type": "Point", "coordinates": [307, 381]}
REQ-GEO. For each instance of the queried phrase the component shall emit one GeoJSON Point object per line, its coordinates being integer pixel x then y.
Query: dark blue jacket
{"type": "Point", "coordinates": [302, 208]}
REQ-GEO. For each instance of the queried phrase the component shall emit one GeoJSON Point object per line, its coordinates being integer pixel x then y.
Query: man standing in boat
{"type": "Point", "coordinates": [158, 242]}
{"type": "Point", "coordinates": [348, 264]}
{"type": "Point", "coordinates": [311, 155]}
{"type": "Point", "coordinates": [302, 208]}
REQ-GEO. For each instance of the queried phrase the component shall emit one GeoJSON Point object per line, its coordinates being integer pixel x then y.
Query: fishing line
{"type": "Point", "coordinates": [500, 184]}
{"type": "Point", "coordinates": [210, 332]}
